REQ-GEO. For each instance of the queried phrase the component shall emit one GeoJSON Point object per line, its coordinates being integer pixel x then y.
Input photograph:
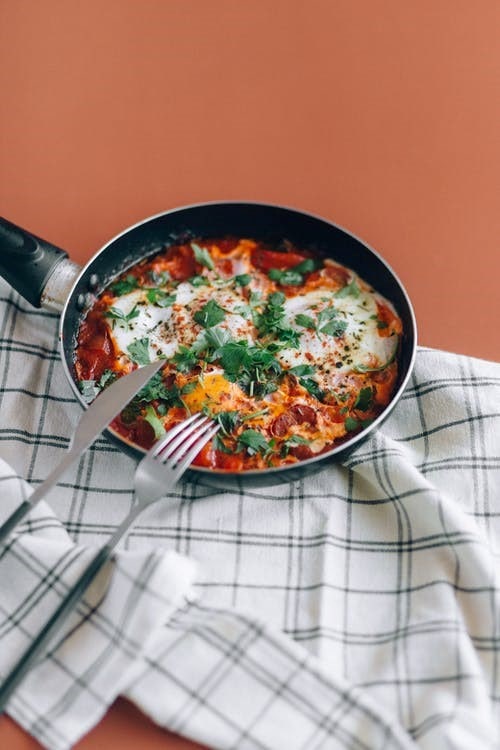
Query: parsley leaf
{"type": "Point", "coordinates": [107, 378]}
{"type": "Point", "coordinates": [124, 286]}
{"type": "Point", "coordinates": [160, 298]}
{"type": "Point", "coordinates": [219, 445]}
{"type": "Point", "coordinates": [292, 442]}
{"type": "Point", "coordinates": [351, 424]}
{"type": "Point", "coordinates": [210, 314]}
{"type": "Point", "coordinates": [351, 289]}
{"type": "Point", "coordinates": [305, 321]}
{"type": "Point", "coordinates": [364, 399]}
{"type": "Point", "coordinates": [202, 256]}
{"type": "Point", "coordinates": [253, 441]}
{"type": "Point", "coordinates": [199, 281]}
{"type": "Point", "coordinates": [289, 337]}
{"type": "Point", "coordinates": [312, 387]}
{"type": "Point", "coordinates": [286, 278]}
{"type": "Point", "coordinates": [138, 351]}
{"type": "Point", "coordinates": [334, 328]}
{"type": "Point", "coordinates": [243, 279]}
{"type": "Point", "coordinates": [270, 320]}
{"type": "Point", "coordinates": [152, 418]}
{"type": "Point", "coordinates": [292, 276]}
{"type": "Point", "coordinates": [89, 390]}
{"type": "Point", "coordinates": [119, 316]}
{"type": "Point", "coordinates": [301, 370]}
{"type": "Point", "coordinates": [185, 359]}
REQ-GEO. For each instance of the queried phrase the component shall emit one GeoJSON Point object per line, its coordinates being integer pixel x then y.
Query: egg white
{"type": "Point", "coordinates": [356, 347]}
{"type": "Point", "coordinates": [167, 328]}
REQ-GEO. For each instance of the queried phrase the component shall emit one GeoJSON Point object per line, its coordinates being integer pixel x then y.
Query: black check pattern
{"type": "Point", "coordinates": [357, 608]}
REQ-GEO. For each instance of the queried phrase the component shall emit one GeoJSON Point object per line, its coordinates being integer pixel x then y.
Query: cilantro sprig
{"type": "Point", "coordinates": [138, 351]}
{"type": "Point", "coordinates": [253, 442]}
{"type": "Point", "coordinates": [118, 316]}
{"type": "Point", "coordinates": [210, 314]}
{"type": "Point", "coordinates": [328, 322]}
{"type": "Point", "coordinates": [202, 256]}
{"type": "Point", "coordinates": [160, 297]}
{"type": "Point", "coordinates": [125, 285]}
{"type": "Point", "coordinates": [292, 276]}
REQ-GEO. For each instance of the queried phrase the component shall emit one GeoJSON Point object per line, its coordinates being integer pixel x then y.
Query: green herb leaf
{"type": "Point", "coordinates": [351, 289]}
{"type": "Point", "coordinates": [312, 387]}
{"type": "Point", "coordinates": [307, 265]}
{"type": "Point", "coordinates": [227, 420]}
{"type": "Point", "coordinates": [243, 279]}
{"type": "Point", "coordinates": [151, 416]}
{"type": "Point", "coordinates": [154, 389]}
{"type": "Point", "coordinates": [107, 378]}
{"type": "Point", "coordinates": [364, 399]}
{"type": "Point", "coordinates": [253, 441]}
{"type": "Point", "coordinates": [160, 298]}
{"type": "Point", "coordinates": [334, 328]}
{"type": "Point", "coordinates": [291, 442]}
{"type": "Point", "coordinates": [382, 324]}
{"type": "Point", "coordinates": [202, 256]}
{"type": "Point", "coordinates": [124, 286]}
{"type": "Point", "coordinates": [210, 314]}
{"type": "Point", "coordinates": [185, 359]}
{"type": "Point", "coordinates": [289, 337]}
{"type": "Point", "coordinates": [286, 278]}
{"type": "Point", "coordinates": [138, 351]}
{"type": "Point", "coordinates": [199, 281]}
{"type": "Point", "coordinates": [292, 276]}
{"type": "Point", "coordinates": [270, 320]}
{"type": "Point", "coordinates": [219, 444]}
{"type": "Point", "coordinates": [89, 390]}
{"type": "Point", "coordinates": [351, 424]}
{"type": "Point", "coordinates": [305, 321]}
{"type": "Point", "coordinates": [119, 316]}
{"type": "Point", "coordinates": [301, 370]}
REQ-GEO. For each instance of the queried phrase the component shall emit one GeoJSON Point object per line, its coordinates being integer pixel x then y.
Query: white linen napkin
{"type": "Point", "coordinates": [140, 632]}
{"type": "Point", "coordinates": [357, 608]}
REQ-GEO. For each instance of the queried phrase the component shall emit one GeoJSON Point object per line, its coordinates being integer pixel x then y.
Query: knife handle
{"type": "Point", "coordinates": [20, 512]}
{"type": "Point", "coordinates": [41, 641]}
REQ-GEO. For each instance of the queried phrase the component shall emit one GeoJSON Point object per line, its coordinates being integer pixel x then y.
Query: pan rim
{"type": "Point", "coordinates": [348, 444]}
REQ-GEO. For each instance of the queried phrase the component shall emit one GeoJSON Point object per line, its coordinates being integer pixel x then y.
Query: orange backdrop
{"type": "Point", "coordinates": [382, 116]}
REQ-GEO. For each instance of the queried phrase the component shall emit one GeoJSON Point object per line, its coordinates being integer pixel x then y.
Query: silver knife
{"type": "Point", "coordinates": [93, 421]}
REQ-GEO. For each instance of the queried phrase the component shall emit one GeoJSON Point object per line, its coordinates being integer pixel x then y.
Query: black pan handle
{"type": "Point", "coordinates": [26, 261]}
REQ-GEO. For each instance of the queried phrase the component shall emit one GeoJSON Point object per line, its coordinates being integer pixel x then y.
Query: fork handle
{"type": "Point", "coordinates": [65, 608]}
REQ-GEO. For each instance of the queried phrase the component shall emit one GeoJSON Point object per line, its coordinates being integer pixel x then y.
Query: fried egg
{"type": "Point", "coordinates": [359, 344]}
{"type": "Point", "coordinates": [172, 326]}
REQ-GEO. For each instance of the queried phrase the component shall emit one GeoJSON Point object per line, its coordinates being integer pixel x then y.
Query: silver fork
{"type": "Point", "coordinates": [155, 475]}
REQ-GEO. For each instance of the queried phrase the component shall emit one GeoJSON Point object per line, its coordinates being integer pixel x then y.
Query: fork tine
{"type": "Point", "coordinates": [172, 452]}
{"type": "Point", "coordinates": [173, 432]}
{"type": "Point", "coordinates": [183, 461]}
{"type": "Point", "coordinates": [183, 437]}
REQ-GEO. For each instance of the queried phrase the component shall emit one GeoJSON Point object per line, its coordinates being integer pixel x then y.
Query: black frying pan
{"type": "Point", "coordinates": [45, 276]}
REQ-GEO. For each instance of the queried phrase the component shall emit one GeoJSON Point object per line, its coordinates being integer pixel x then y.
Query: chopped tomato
{"type": "Point", "coordinates": [267, 259]}
{"type": "Point", "coordinates": [180, 263]}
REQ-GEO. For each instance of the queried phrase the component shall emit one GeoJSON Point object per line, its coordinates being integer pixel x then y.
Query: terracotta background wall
{"type": "Point", "coordinates": [382, 115]}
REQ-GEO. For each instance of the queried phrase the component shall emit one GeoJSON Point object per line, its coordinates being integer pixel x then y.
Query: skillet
{"type": "Point", "coordinates": [44, 275]}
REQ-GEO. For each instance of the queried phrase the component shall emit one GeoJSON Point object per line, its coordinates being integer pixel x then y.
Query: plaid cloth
{"type": "Point", "coordinates": [357, 608]}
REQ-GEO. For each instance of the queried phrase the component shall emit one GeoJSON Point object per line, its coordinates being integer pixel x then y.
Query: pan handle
{"type": "Point", "coordinates": [26, 261]}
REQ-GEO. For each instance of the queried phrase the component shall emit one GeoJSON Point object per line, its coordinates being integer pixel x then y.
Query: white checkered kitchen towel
{"type": "Point", "coordinates": [357, 608]}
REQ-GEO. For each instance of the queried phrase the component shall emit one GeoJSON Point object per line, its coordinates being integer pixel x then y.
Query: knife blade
{"type": "Point", "coordinates": [93, 421]}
